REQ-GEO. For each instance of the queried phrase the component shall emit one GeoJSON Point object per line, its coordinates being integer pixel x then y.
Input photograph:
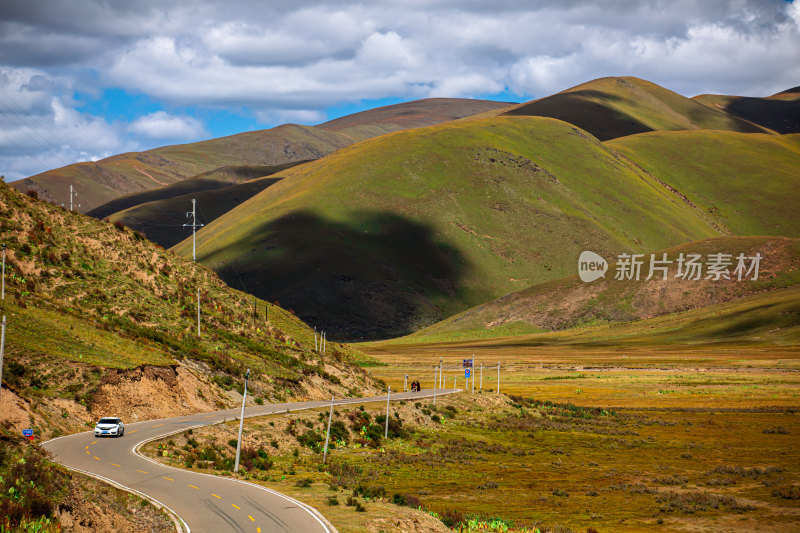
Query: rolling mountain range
{"type": "Point", "coordinates": [393, 233]}
{"type": "Point", "coordinates": [102, 181]}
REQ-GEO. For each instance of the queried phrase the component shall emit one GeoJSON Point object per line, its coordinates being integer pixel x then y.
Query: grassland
{"type": "Point", "coordinates": [609, 108]}
{"type": "Point", "coordinates": [683, 422]}
{"type": "Point", "coordinates": [526, 463]}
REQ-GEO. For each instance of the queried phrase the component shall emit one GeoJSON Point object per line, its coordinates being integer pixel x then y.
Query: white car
{"type": "Point", "coordinates": [109, 427]}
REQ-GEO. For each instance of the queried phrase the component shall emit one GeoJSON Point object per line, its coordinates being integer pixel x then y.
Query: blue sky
{"type": "Point", "coordinates": [85, 79]}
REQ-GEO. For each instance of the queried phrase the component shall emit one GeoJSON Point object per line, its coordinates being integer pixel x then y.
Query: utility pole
{"type": "Point", "coordinates": [498, 377]}
{"type": "Point", "coordinates": [194, 225]}
{"type": "Point", "coordinates": [435, 377]}
{"type": "Point", "coordinates": [72, 194]}
{"type": "Point", "coordinates": [324, 340]}
{"type": "Point", "coordinates": [386, 430]}
{"type": "Point", "coordinates": [316, 349]}
{"type": "Point", "coordinates": [455, 380]}
{"type": "Point", "coordinates": [441, 374]}
{"type": "Point", "coordinates": [472, 372]}
{"type": "Point", "coordinates": [481, 389]}
{"type": "Point", "coordinates": [241, 424]}
{"type": "Point", "coordinates": [405, 382]}
{"type": "Point", "coordinates": [328, 434]}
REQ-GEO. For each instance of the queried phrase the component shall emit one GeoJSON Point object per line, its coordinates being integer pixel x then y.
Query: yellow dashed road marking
{"type": "Point", "coordinates": [236, 506]}
{"type": "Point", "coordinates": [218, 497]}
{"type": "Point", "coordinates": [251, 518]}
{"type": "Point", "coordinates": [158, 425]}
{"type": "Point", "coordinates": [95, 442]}
{"type": "Point", "coordinates": [142, 471]}
{"type": "Point", "coordinates": [134, 431]}
{"type": "Point", "coordinates": [198, 488]}
{"type": "Point", "coordinates": [87, 448]}
{"type": "Point", "coordinates": [115, 464]}
{"type": "Point", "coordinates": [88, 452]}
{"type": "Point", "coordinates": [97, 458]}
{"type": "Point", "coordinates": [258, 530]}
{"type": "Point", "coordinates": [167, 478]}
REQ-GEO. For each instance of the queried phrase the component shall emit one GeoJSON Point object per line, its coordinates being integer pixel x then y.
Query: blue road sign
{"type": "Point", "coordinates": [27, 433]}
{"type": "Point", "coordinates": [466, 373]}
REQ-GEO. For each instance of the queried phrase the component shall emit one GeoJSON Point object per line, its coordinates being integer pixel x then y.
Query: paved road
{"type": "Point", "coordinates": [200, 502]}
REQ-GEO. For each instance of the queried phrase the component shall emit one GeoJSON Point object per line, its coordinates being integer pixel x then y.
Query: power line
{"type": "Point", "coordinates": [44, 165]}
{"type": "Point", "coordinates": [42, 142]}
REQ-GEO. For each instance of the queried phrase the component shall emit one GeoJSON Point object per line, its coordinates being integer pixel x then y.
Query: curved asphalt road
{"type": "Point", "coordinates": [200, 502]}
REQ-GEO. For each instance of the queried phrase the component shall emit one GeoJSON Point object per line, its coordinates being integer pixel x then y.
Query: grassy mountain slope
{"type": "Point", "coordinates": [219, 178]}
{"type": "Point", "coordinates": [399, 231]}
{"type": "Point", "coordinates": [85, 297]}
{"type": "Point", "coordinates": [568, 302]}
{"type": "Point", "coordinates": [102, 181]}
{"type": "Point", "coordinates": [766, 320]}
{"type": "Point", "coordinates": [416, 114]}
{"type": "Point", "coordinates": [615, 107]}
{"type": "Point", "coordinates": [747, 183]}
{"type": "Point", "coordinates": [779, 112]}
{"type": "Point", "coordinates": [161, 220]}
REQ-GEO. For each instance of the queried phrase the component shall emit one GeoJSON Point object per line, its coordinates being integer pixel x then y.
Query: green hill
{"type": "Point", "coordinates": [779, 112]}
{"type": "Point", "coordinates": [219, 178]}
{"type": "Point", "coordinates": [609, 108]}
{"type": "Point", "coordinates": [399, 231]}
{"type": "Point", "coordinates": [416, 114]}
{"type": "Point", "coordinates": [162, 220]}
{"type": "Point", "coordinates": [90, 304]}
{"type": "Point", "coordinates": [746, 182]}
{"type": "Point", "coordinates": [764, 321]}
{"type": "Point", "coordinates": [570, 303]}
{"type": "Point", "coordinates": [102, 181]}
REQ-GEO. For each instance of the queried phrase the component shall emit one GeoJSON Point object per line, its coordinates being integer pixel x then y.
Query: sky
{"type": "Point", "coordinates": [82, 80]}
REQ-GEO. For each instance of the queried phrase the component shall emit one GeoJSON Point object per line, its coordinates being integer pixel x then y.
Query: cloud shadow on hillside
{"type": "Point", "coordinates": [377, 275]}
{"type": "Point", "coordinates": [581, 109]}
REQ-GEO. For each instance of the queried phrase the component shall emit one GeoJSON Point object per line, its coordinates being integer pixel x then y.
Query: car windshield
{"type": "Point", "coordinates": [109, 421]}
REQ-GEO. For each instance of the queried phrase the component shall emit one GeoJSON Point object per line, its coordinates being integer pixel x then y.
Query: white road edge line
{"type": "Point", "coordinates": [180, 524]}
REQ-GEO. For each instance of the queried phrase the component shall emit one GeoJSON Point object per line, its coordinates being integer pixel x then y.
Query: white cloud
{"type": "Point", "coordinates": [292, 61]}
{"type": "Point", "coordinates": [291, 116]}
{"type": "Point", "coordinates": [163, 126]}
